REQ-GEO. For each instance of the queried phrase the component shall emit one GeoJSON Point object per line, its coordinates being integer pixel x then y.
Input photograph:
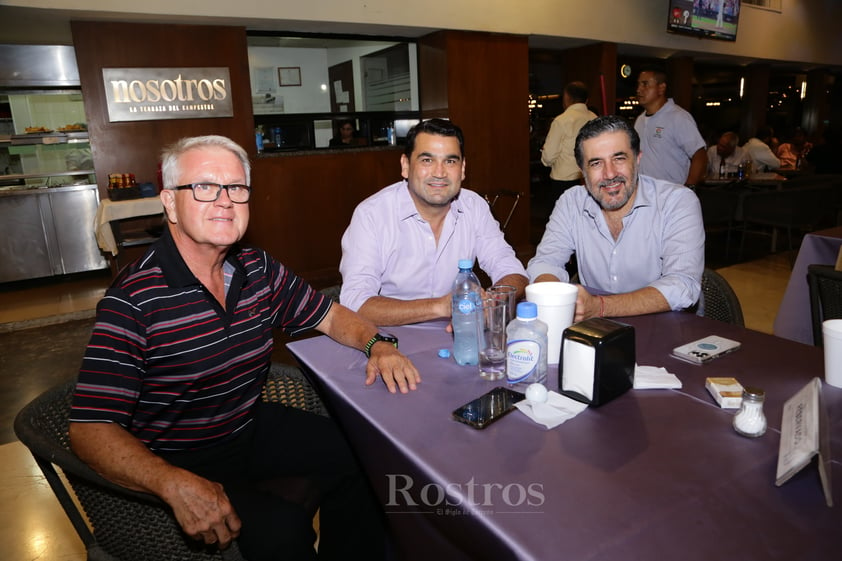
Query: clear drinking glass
{"type": "Point", "coordinates": [507, 294]}
{"type": "Point", "coordinates": [492, 339]}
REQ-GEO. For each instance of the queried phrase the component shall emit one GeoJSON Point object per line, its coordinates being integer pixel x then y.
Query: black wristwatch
{"type": "Point", "coordinates": [387, 337]}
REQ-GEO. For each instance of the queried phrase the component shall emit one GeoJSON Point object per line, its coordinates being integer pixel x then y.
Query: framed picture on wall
{"type": "Point", "coordinates": [289, 76]}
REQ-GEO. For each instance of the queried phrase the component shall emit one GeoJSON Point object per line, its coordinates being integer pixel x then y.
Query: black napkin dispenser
{"type": "Point", "coordinates": [596, 362]}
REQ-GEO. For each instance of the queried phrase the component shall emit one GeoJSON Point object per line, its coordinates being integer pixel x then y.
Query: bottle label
{"type": "Point", "coordinates": [466, 306]}
{"type": "Point", "coordinates": [521, 359]}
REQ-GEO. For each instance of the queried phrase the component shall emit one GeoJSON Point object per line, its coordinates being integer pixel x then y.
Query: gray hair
{"type": "Point", "coordinates": [170, 156]}
{"type": "Point", "coordinates": [602, 125]}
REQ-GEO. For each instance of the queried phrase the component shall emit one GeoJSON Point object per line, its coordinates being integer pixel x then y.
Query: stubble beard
{"type": "Point", "coordinates": [627, 190]}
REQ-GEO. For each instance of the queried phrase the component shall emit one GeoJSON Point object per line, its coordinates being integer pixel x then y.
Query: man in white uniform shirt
{"type": "Point", "coordinates": [670, 144]}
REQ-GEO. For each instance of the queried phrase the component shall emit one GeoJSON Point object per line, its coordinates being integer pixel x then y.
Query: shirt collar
{"type": "Point", "coordinates": [406, 206]}
{"type": "Point", "coordinates": [642, 198]}
{"type": "Point", "coordinates": [175, 270]}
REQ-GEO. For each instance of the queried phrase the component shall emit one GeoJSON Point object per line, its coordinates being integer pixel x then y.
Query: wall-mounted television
{"type": "Point", "coordinates": [712, 19]}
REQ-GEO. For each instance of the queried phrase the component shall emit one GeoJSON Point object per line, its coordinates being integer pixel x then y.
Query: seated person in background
{"type": "Point", "coordinates": [401, 250]}
{"type": "Point", "coordinates": [760, 150]}
{"type": "Point", "coordinates": [725, 158]}
{"type": "Point", "coordinates": [168, 396]}
{"type": "Point", "coordinates": [793, 153]}
{"type": "Point", "coordinates": [637, 238]}
{"type": "Point", "coordinates": [347, 135]}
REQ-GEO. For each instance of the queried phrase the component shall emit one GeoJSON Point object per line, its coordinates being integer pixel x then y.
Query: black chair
{"type": "Point", "coordinates": [719, 211]}
{"type": "Point", "coordinates": [825, 297]}
{"type": "Point", "coordinates": [493, 198]}
{"type": "Point", "coordinates": [332, 292]}
{"type": "Point", "coordinates": [125, 525]}
{"type": "Point", "coordinates": [720, 300]}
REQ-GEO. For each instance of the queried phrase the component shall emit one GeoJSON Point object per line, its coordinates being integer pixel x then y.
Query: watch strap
{"type": "Point", "coordinates": [375, 339]}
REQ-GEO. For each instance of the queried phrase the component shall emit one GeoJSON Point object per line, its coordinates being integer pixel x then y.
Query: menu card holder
{"type": "Point", "coordinates": [804, 435]}
{"type": "Point", "coordinates": [596, 362]}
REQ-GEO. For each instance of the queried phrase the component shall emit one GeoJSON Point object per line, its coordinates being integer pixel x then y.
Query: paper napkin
{"type": "Point", "coordinates": [554, 411]}
{"type": "Point", "coordinates": [654, 378]}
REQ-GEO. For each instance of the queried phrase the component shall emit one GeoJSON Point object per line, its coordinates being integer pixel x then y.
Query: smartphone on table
{"type": "Point", "coordinates": [705, 350]}
{"type": "Point", "coordinates": [487, 408]}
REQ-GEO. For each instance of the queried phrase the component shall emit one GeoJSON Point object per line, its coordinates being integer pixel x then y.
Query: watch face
{"type": "Point", "coordinates": [388, 337]}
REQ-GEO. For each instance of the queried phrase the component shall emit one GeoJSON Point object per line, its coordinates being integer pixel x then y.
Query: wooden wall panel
{"type": "Point", "coordinates": [432, 75]}
{"type": "Point", "coordinates": [134, 146]}
{"type": "Point", "coordinates": [301, 205]}
{"type": "Point", "coordinates": [593, 65]}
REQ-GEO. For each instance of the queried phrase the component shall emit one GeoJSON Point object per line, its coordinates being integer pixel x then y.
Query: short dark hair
{"type": "Point", "coordinates": [577, 91]}
{"type": "Point", "coordinates": [440, 127]}
{"type": "Point", "coordinates": [602, 125]}
{"type": "Point", "coordinates": [658, 72]}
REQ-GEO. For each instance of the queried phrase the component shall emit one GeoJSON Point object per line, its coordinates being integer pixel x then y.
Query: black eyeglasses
{"type": "Point", "coordinates": [209, 192]}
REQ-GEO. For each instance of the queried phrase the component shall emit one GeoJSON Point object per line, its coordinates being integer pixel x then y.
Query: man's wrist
{"type": "Point", "coordinates": [378, 338]}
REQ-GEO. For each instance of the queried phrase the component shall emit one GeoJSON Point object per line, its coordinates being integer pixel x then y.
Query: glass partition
{"type": "Point", "coordinates": [313, 92]}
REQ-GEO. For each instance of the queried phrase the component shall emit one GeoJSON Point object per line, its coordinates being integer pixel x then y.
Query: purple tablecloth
{"type": "Point", "coordinates": [655, 474]}
{"type": "Point", "coordinates": [794, 320]}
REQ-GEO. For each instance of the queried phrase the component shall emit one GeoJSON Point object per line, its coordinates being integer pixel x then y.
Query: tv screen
{"type": "Point", "coordinates": [714, 19]}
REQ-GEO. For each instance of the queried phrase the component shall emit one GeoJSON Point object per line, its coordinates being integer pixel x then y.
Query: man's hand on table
{"type": "Point", "coordinates": [587, 305]}
{"type": "Point", "coordinates": [397, 371]}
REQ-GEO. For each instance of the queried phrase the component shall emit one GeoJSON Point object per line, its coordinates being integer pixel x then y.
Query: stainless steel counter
{"type": "Point", "coordinates": [46, 231]}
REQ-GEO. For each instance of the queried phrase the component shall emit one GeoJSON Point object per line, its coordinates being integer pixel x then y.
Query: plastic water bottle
{"type": "Point", "coordinates": [464, 314]}
{"type": "Point", "coordinates": [258, 138]}
{"type": "Point", "coordinates": [526, 351]}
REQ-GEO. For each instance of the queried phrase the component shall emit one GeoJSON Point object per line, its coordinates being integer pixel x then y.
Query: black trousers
{"type": "Point", "coordinates": [288, 442]}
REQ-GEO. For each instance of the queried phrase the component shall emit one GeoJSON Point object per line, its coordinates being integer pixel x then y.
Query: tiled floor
{"type": "Point", "coordinates": [32, 525]}
{"type": "Point", "coordinates": [40, 302]}
{"type": "Point", "coordinates": [760, 287]}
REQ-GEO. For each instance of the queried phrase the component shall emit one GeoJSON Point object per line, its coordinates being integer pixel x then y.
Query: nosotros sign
{"type": "Point", "coordinates": [144, 94]}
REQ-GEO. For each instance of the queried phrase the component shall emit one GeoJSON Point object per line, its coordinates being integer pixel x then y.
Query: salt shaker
{"type": "Point", "coordinates": [750, 420]}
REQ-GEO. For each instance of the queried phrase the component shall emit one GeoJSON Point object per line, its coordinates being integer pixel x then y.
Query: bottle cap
{"type": "Point", "coordinates": [444, 353]}
{"type": "Point", "coordinates": [527, 310]}
{"type": "Point", "coordinates": [466, 263]}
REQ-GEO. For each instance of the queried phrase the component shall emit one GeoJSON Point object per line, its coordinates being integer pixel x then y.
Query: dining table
{"type": "Point", "coordinates": [652, 474]}
{"type": "Point", "coordinates": [110, 212]}
{"type": "Point", "coordinates": [765, 180]}
{"type": "Point", "coordinates": [794, 318]}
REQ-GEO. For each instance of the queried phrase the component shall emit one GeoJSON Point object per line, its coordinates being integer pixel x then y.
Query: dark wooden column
{"type": "Point", "coordinates": [680, 81]}
{"type": "Point", "coordinates": [481, 82]}
{"type": "Point", "coordinates": [596, 66]}
{"type": "Point", "coordinates": [755, 99]}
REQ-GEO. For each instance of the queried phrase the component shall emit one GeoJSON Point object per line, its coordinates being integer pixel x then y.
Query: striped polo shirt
{"type": "Point", "coordinates": [173, 367]}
